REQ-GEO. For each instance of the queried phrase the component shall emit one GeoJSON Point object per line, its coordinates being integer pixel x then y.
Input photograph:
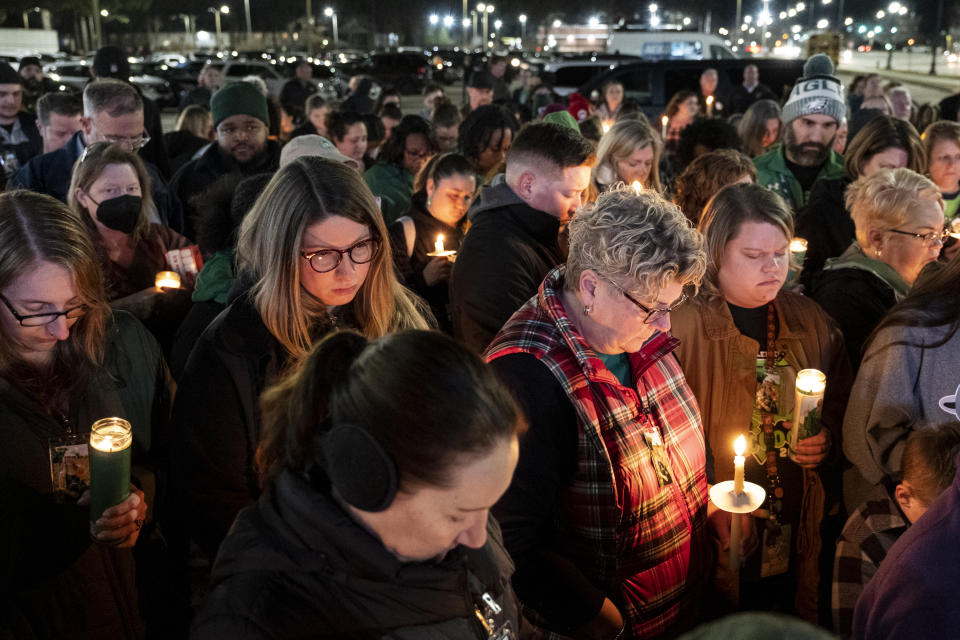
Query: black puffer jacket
{"type": "Point", "coordinates": [295, 565]}
{"type": "Point", "coordinates": [826, 225]}
{"type": "Point", "coordinates": [504, 257]}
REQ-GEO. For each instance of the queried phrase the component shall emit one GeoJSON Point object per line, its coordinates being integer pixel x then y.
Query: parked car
{"type": "Point", "coordinates": [570, 72]}
{"type": "Point", "coordinates": [651, 83]}
{"type": "Point", "coordinates": [75, 75]}
{"type": "Point", "coordinates": [236, 70]}
{"type": "Point", "coordinates": [405, 71]}
{"type": "Point", "coordinates": [668, 45]}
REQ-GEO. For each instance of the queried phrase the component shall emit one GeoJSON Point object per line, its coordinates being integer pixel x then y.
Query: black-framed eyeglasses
{"type": "Point", "coordinates": [651, 314]}
{"type": "Point", "coordinates": [324, 260]}
{"type": "Point", "coordinates": [929, 239]}
{"type": "Point", "coordinates": [41, 319]}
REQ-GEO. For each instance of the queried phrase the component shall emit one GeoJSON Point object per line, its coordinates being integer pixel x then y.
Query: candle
{"type": "Point", "coordinates": [663, 126]}
{"type": "Point", "coordinates": [168, 279]}
{"type": "Point", "coordinates": [110, 449]}
{"type": "Point", "coordinates": [735, 535]}
{"type": "Point", "coordinates": [739, 446]}
{"type": "Point", "coordinates": [955, 228]}
{"type": "Point", "coordinates": [811, 384]}
{"type": "Point", "coordinates": [798, 250]}
{"type": "Point", "coordinates": [637, 187]}
{"type": "Point", "coordinates": [606, 127]}
{"type": "Point", "coordinates": [709, 106]}
{"type": "Point", "coordinates": [439, 251]}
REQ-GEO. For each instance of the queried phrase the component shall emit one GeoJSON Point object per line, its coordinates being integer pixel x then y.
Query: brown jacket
{"type": "Point", "coordinates": [720, 366]}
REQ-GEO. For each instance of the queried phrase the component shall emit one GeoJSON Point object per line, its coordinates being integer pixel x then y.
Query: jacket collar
{"type": "Point", "coordinates": [718, 321]}
{"type": "Point", "coordinates": [550, 298]}
{"type": "Point", "coordinates": [855, 258]}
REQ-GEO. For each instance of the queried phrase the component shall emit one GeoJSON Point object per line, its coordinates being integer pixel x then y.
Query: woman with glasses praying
{"type": "Point", "coordinates": [67, 360]}
{"type": "Point", "coordinates": [606, 515]}
{"type": "Point", "coordinates": [110, 191]}
{"type": "Point", "coordinates": [313, 255]}
{"type": "Point", "coordinates": [898, 215]}
{"type": "Point", "coordinates": [399, 160]}
{"type": "Point", "coordinates": [743, 340]}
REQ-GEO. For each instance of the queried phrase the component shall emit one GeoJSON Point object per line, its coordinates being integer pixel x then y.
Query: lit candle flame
{"type": "Point", "coordinates": [438, 245]}
{"type": "Point", "coordinates": [606, 128]}
{"type": "Point", "coordinates": [664, 120]}
{"type": "Point", "coordinates": [740, 446]}
{"type": "Point", "coordinates": [168, 279]}
{"type": "Point", "coordinates": [637, 187]}
{"type": "Point", "coordinates": [709, 100]}
{"type": "Point", "coordinates": [798, 245]}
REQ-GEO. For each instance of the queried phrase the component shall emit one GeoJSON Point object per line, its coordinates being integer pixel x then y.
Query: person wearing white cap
{"type": "Point", "coordinates": [811, 117]}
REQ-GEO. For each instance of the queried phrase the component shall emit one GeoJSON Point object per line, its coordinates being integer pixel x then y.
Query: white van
{"type": "Point", "coordinates": [668, 45]}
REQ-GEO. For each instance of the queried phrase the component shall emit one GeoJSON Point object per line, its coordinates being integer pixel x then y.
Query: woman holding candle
{"type": "Point", "coordinates": [110, 190]}
{"type": "Point", "coordinates": [315, 256]}
{"type": "Point", "coordinates": [742, 342]}
{"type": "Point", "coordinates": [442, 193]}
{"type": "Point", "coordinates": [375, 517]}
{"type": "Point", "coordinates": [898, 217]}
{"type": "Point", "coordinates": [681, 110]}
{"type": "Point", "coordinates": [67, 360]}
{"type": "Point", "coordinates": [606, 516]}
{"type": "Point", "coordinates": [629, 152]}
{"type": "Point", "coordinates": [825, 222]}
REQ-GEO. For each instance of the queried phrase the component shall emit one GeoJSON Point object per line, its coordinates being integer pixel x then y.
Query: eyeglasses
{"type": "Point", "coordinates": [949, 159]}
{"type": "Point", "coordinates": [326, 260]}
{"type": "Point", "coordinates": [651, 314]}
{"type": "Point", "coordinates": [133, 143]}
{"type": "Point", "coordinates": [929, 239]}
{"type": "Point", "coordinates": [41, 319]}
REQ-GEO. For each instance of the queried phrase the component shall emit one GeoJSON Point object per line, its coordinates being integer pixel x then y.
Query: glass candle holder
{"type": "Point", "coordinates": [168, 279]}
{"type": "Point", "coordinates": [808, 404]}
{"type": "Point", "coordinates": [111, 441]}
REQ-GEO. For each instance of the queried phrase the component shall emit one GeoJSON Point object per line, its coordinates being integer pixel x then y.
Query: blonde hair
{"type": "Point", "coordinates": [36, 228]}
{"type": "Point", "coordinates": [91, 164]}
{"type": "Point", "coordinates": [637, 237]}
{"type": "Point", "coordinates": [726, 213]}
{"type": "Point", "coordinates": [619, 143]}
{"type": "Point", "coordinates": [887, 199]}
{"type": "Point", "coordinates": [196, 120]}
{"type": "Point", "coordinates": [302, 193]}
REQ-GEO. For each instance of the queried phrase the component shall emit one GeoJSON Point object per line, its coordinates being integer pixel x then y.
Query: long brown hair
{"type": "Point", "coordinates": [302, 193]}
{"type": "Point", "coordinates": [91, 164]}
{"type": "Point", "coordinates": [36, 228]}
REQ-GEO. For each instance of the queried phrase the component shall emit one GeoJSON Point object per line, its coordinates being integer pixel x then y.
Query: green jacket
{"type": "Point", "coordinates": [393, 185]}
{"type": "Point", "coordinates": [772, 173]}
{"type": "Point", "coordinates": [215, 279]}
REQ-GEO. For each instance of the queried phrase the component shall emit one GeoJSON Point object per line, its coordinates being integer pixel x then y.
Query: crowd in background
{"type": "Point", "coordinates": [472, 371]}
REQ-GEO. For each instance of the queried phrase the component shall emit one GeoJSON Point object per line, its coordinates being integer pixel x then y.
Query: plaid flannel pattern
{"type": "Point", "coordinates": [869, 533]}
{"type": "Point", "coordinates": [644, 544]}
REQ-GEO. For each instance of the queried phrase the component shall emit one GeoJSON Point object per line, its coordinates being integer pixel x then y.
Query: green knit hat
{"type": "Point", "coordinates": [562, 118]}
{"type": "Point", "coordinates": [238, 98]}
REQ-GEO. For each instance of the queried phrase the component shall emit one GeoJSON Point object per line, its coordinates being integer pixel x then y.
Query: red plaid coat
{"type": "Point", "coordinates": [644, 545]}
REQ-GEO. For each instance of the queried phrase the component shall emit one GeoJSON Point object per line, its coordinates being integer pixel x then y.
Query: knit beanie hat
{"type": "Point", "coordinates": [580, 107]}
{"type": "Point", "coordinates": [30, 60]}
{"type": "Point", "coordinates": [8, 75]}
{"type": "Point", "coordinates": [562, 118]}
{"type": "Point", "coordinates": [111, 62]}
{"type": "Point", "coordinates": [238, 98]}
{"type": "Point", "coordinates": [817, 92]}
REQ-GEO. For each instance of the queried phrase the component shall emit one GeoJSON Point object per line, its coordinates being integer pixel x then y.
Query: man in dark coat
{"type": "Point", "coordinates": [293, 96]}
{"type": "Point", "coordinates": [19, 137]}
{"type": "Point", "coordinates": [513, 241]}
{"type": "Point", "coordinates": [241, 119]}
{"type": "Point", "coordinates": [113, 112]}
{"type": "Point", "coordinates": [750, 91]}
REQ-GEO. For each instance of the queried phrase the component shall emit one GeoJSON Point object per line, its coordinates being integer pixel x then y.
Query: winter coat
{"type": "Point", "coordinates": [857, 291]}
{"type": "Point", "coordinates": [825, 224]}
{"type": "Point", "coordinates": [638, 539]}
{"type": "Point", "coordinates": [54, 581]}
{"type": "Point", "coordinates": [50, 173]}
{"type": "Point", "coordinates": [296, 565]}
{"type": "Point", "coordinates": [194, 177]}
{"type": "Point", "coordinates": [506, 254]}
{"type": "Point", "coordinates": [393, 185]}
{"type": "Point", "coordinates": [773, 173]}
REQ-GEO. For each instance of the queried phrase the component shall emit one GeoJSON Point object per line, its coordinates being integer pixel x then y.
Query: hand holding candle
{"type": "Point", "coordinates": [167, 279]}
{"type": "Point", "coordinates": [439, 251]}
{"type": "Point", "coordinates": [811, 385]}
{"type": "Point", "coordinates": [110, 452]}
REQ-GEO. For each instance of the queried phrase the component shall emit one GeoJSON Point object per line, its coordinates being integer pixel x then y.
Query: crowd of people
{"type": "Point", "coordinates": [475, 371]}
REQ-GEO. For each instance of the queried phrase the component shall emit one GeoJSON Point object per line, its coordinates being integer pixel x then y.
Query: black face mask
{"type": "Point", "coordinates": [121, 213]}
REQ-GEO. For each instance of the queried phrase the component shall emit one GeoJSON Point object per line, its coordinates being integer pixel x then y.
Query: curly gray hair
{"type": "Point", "coordinates": [635, 237]}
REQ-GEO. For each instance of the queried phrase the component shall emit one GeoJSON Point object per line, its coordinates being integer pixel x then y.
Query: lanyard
{"type": "Point", "coordinates": [774, 482]}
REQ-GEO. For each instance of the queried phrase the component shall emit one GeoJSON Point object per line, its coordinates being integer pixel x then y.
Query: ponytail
{"type": "Point", "coordinates": [293, 410]}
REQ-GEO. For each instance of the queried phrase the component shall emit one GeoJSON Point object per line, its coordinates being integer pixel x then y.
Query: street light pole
{"type": "Point", "coordinates": [936, 38]}
{"type": "Point", "coordinates": [463, 24]}
{"type": "Point", "coordinates": [216, 20]}
{"type": "Point", "coordinates": [330, 13]}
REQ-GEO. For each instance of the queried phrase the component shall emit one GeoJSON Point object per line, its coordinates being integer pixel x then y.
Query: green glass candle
{"type": "Point", "coordinates": [110, 450]}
